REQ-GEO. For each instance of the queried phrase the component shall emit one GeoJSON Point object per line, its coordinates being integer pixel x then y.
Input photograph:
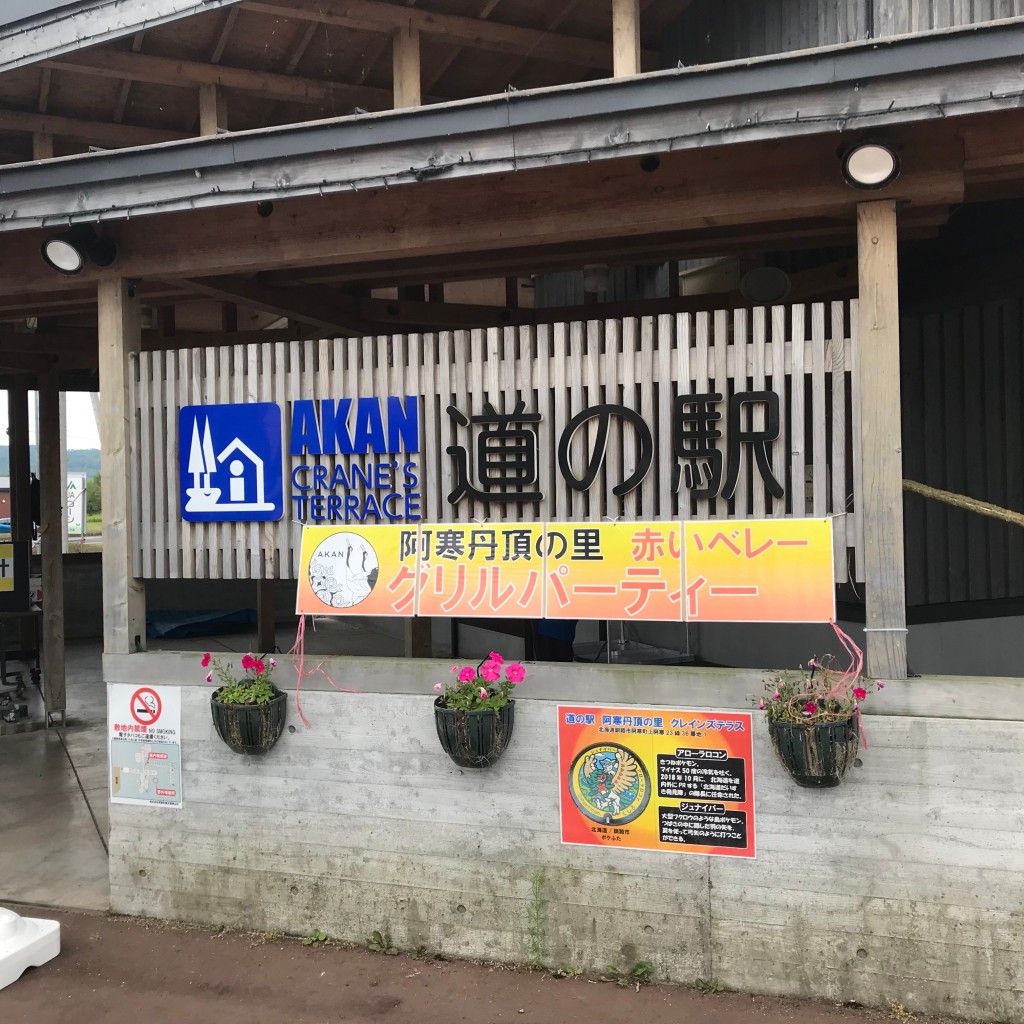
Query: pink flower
{"type": "Point", "coordinates": [813, 663]}
{"type": "Point", "coordinates": [467, 675]}
{"type": "Point", "coordinates": [273, 664]}
{"type": "Point", "coordinates": [881, 686]}
{"type": "Point", "coordinates": [776, 695]}
{"type": "Point", "coordinates": [248, 661]}
{"type": "Point", "coordinates": [206, 660]}
{"type": "Point", "coordinates": [259, 666]}
{"type": "Point", "coordinates": [438, 687]}
{"type": "Point", "coordinates": [483, 693]}
{"type": "Point", "coordinates": [209, 677]}
{"type": "Point", "coordinates": [496, 658]}
{"type": "Point", "coordinates": [455, 668]}
{"type": "Point", "coordinates": [515, 673]}
{"type": "Point", "coordinates": [810, 708]}
{"type": "Point", "coordinates": [859, 692]}
{"type": "Point", "coordinates": [761, 705]}
{"type": "Point", "coordinates": [489, 672]}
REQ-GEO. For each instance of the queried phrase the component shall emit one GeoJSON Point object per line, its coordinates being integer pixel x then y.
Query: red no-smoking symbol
{"type": "Point", "coordinates": [146, 706]}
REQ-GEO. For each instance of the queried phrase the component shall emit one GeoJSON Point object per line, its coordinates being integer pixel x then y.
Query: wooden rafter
{"type": "Point", "coordinates": [44, 90]}
{"type": "Point", "coordinates": [126, 85]}
{"type": "Point", "coordinates": [95, 133]}
{"type": "Point", "coordinates": [300, 50]}
{"type": "Point", "coordinates": [225, 33]}
{"type": "Point", "coordinates": [139, 67]}
{"type": "Point", "coordinates": [371, 16]}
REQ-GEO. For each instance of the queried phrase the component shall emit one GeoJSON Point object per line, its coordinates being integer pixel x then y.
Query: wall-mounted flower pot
{"type": "Point", "coordinates": [474, 739]}
{"type": "Point", "coordinates": [250, 728]}
{"type": "Point", "coordinates": [816, 756]}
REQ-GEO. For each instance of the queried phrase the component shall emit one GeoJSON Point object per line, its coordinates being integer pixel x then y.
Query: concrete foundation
{"type": "Point", "coordinates": [904, 884]}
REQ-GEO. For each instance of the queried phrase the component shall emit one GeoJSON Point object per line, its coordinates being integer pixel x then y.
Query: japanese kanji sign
{"type": "Point", "coordinates": [657, 779]}
{"type": "Point", "coordinates": [771, 570]}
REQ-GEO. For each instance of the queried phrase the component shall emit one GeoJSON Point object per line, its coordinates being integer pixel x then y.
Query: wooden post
{"type": "Point", "coordinates": [266, 633]}
{"type": "Point", "coordinates": [63, 472]}
{"type": "Point", "coordinates": [405, 60]}
{"type": "Point", "coordinates": [878, 338]}
{"type": "Point", "coordinates": [52, 495]}
{"type": "Point", "coordinates": [124, 597]}
{"type": "Point", "coordinates": [418, 642]}
{"type": "Point", "coordinates": [21, 496]}
{"type": "Point", "coordinates": [42, 146]}
{"type": "Point", "coordinates": [213, 110]}
{"type": "Point", "coordinates": [625, 38]}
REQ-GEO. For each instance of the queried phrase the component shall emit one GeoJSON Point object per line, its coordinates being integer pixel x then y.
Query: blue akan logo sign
{"type": "Point", "coordinates": [231, 464]}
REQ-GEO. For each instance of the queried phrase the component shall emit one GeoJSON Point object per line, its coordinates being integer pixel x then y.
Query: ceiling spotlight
{"type": "Point", "coordinates": [870, 164]}
{"type": "Point", "coordinates": [69, 252]}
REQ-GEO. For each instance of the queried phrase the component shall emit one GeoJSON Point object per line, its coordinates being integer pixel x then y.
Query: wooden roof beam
{"type": "Point", "coordinates": [139, 67]}
{"type": "Point", "coordinates": [96, 133]}
{"type": "Point", "coordinates": [371, 16]}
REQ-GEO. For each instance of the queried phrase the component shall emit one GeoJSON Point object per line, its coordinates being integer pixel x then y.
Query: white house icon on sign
{"type": "Point", "coordinates": [203, 466]}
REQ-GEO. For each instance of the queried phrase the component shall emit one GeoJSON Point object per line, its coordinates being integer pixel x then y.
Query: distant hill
{"type": "Point", "coordinates": [80, 460]}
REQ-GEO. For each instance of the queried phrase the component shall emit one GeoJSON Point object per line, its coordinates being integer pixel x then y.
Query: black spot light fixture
{"type": "Point", "coordinates": [68, 252]}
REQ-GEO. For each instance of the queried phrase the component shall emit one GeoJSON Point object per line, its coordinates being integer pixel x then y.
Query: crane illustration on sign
{"type": "Point", "coordinates": [240, 482]}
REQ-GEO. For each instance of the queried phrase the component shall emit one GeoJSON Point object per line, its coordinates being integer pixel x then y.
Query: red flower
{"type": "Point", "coordinates": [248, 662]}
{"type": "Point", "coordinates": [810, 708]}
{"type": "Point", "coordinates": [206, 660]}
{"type": "Point", "coordinates": [859, 692]}
{"type": "Point", "coordinates": [260, 667]}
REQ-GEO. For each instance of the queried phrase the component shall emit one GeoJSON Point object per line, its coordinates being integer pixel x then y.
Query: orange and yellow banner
{"type": "Point", "coordinates": [657, 779]}
{"type": "Point", "coordinates": [759, 570]}
{"type": "Point", "coordinates": [769, 570]}
{"type": "Point", "coordinates": [614, 571]}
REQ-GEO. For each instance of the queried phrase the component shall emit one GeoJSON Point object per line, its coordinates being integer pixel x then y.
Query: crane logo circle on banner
{"type": "Point", "coordinates": [145, 706]}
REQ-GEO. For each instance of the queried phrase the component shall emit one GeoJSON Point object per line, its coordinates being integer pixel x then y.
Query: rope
{"type": "Point", "coordinates": [982, 508]}
{"type": "Point", "coordinates": [298, 654]}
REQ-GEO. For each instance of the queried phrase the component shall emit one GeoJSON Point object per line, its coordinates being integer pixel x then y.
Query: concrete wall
{"type": "Point", "coordinates": [904, 884]}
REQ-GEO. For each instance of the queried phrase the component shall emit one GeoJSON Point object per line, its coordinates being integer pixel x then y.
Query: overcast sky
{"type": "Point", "coordinates": [15, 10]}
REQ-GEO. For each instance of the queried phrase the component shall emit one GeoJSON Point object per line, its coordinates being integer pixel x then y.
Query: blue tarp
{"type": "Point", "coordinates": [176, 623]}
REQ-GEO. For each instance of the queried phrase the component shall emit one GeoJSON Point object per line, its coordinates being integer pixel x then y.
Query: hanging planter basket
{"type": "Point", "coordinates": [250, 728]}
{"type": "Point", "coordinates": [474, 739]}
{"type": "Point", "coordinates": [816, 756]}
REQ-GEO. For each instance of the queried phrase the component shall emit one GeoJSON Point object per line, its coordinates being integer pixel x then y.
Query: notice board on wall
{"type": "Point", "coordinates": [664, 779]}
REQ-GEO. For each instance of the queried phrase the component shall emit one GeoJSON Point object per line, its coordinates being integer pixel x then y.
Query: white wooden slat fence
{"type": "Point", "coordinates": [804, 354]}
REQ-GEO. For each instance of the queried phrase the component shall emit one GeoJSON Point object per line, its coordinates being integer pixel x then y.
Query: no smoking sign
{"type": "Point", "coordinates": [145, 706]}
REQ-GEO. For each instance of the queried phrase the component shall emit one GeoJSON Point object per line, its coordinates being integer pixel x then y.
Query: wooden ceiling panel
{"type": "Point", "coordinates": [20, 89]}
{"type": "Point", "coordinates": [85, 96]}
{"type": "Point", "coordinates": [161, 106]}
{"type": "Point", "coordinates": [195, 38]}
{"type": "Point", "coordinates": [259, 41]}
{"type": "Point", "coordinates": [341, 55]}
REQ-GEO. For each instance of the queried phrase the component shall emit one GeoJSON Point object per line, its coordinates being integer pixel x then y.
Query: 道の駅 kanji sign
{"type": "Point", "coordinates": [764, 570]}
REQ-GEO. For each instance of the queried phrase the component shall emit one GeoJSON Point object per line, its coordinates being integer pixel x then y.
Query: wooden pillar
{"type": "Point", "coordinates": [42, 146]}
{"type": "Point", "coordinates": [418, 641]}
{"type": "Point", "coordinates": [63, 473]}
{"type": "Point", "coordinates": [21, 496]}
{"type": "Point", "coordinates": [405, 60]}
{"type": "Point", "coordinates": [52, 496]}
{"type": "Point", "coordinates": [625, 38]}
{"type": "Point", "coordinates": [213, 110]}
{"type": "Point", "coordinates": [878, 340]}
{"type": "Point", "coordinates": [124, 597]}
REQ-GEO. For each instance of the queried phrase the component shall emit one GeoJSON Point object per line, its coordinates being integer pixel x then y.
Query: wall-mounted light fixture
{"type": "Point", "coordinates": [870, 164]}
{"type": "Point", "coordinates": [68, 253]}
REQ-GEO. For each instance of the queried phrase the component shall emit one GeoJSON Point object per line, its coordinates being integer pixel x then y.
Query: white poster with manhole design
{"type": "Point", "coordinates": [144, 725]}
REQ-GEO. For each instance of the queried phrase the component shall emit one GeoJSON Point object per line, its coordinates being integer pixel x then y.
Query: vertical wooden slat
{"type": "Point", "coordinates": [462, 345]}
{"type": "Point", "coordinates": [445, 359]}
{"type": "Point", "coordinates": [797, 442]}
{"type": "Point", "coordinates": [741, 353]}
{"type": "Point", "coordinates": [724, 386]}
{"type": "Point", "coordinates": [759, 340]}
{"type": "Point", "coordinates": [684, 342]}
{"type": "Point", "coordinates": [700, 372]}
{"type": "Point", "coordinates": [143, 488]}
{"type": "Point", "coordinates": [597, 501]}
{"type": "Point", "coordinates": [581, 447]}
{"type": "Point", "coordinates": [160, 458]}
{"type": "Point", "coordinates": [819, 476]}
{"type": "Point", "coordinates": [546, 466]}
{"type": "Point", "coordinates": [837, 364]}
{"type": "Point", "coordinates": [664, 457]}
{"type": "Point", "coordinates": [778, 372]}
{"type": "Point", "coordinates": [285, 567]}
{"type": "Point", "coordinates": [171, 489]}
{"type": "Point", "coordinates": [627, 373]}
{"type": "Point", "coordinates": [645, 380]}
